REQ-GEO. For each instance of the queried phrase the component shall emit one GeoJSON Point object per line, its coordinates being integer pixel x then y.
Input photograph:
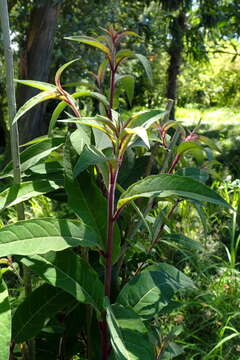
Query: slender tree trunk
{"type": "Point", "coordinates": [34, 65]}
{"type": "Point", "coordinates": [175, 52]}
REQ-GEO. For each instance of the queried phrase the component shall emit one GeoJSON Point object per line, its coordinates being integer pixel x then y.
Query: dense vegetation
{"type": "Point", "coordinates": [119, 234]}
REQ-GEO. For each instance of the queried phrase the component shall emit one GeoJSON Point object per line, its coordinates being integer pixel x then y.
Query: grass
{"type": "Point", "coordinates": [214, 117]}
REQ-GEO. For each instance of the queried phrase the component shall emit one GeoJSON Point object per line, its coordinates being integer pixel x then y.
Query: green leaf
{"type": "Point", "coordinates": [146, 118]}
{"type": "Point", "coordinates": [38, 307]}
{"type": "Point", "coordinates": [152, 290]}
{"type": "Point", "coordinates": [124, 53]}
{"type": "Point", "coordinates": [37, 84]}
{"type": "Point", "coordinates": [38, 236]}
{"type": "Point", "coordinates": [166, 185]}
{"type": "Point", "coordinates": [89, 156]}
{"type": "Point", "coordinates": [71, 273]}
{"type": "Point", "coordinates": [195, 173]}
{"type": "Point", "coordinates": [46, 168]}
{"type": "Point", "coordinates": [87, 201]}
{"type": "Point", "coordinates": [185, 241]}
{"type": "Point", "coordinates": [147, 67]}
{"type": "Point", "coordinates": [139, 131]}
{"type": "Point", "coordinates": [5, 321]}
{"type": "Point", "coordinates": [62, 68]}
{"type": "Point", "coordinates": [186, 146]}
{"type": "Point", "coordinates": [42, 96]}
{"type": "Point", "coordinates": [79, 138]}
{"type": "Point", "coordinates": [127, 83]}
{"type": "Point", "coordinates": [129, 336]}
{"type": "Point", "coordinates": [18, 193]}
{"type": "Point", "coordinates": [33, 154]}
{"type": "Point", "coordinates": [90, 41]}
{"type": "Point", "coordinates": [92, 122]}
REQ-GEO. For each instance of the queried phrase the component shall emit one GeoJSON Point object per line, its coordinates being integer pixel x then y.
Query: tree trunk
{"type": "Point", "coordinates": [175, 53]}
{"type": "Point", "coordinates": [34, 65]}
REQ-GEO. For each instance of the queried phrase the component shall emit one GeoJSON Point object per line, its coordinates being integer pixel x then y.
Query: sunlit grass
{"type": "Point", "coordinates": [214, 117]}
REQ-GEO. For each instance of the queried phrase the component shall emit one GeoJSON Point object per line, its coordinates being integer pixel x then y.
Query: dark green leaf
{"type": "Point", "coordinates": [69, 272]}
{"type": "Point", "coordinates": [18, 193]}
{"type": "Point", "coordinates": [150, 291]}
{"type": "Point", "coordinates": [195, 173]}
{"type": "Point", "coordinates": [41, 305]}
{"type": "Point", "coordinates": [166, 185]}
{"type": "Point", "coordinates": [89, 156]}
{"type": "Point", "coordinates": [39, 236]}
{"type": "Point", "coordinates": [129, 336]}
{"type": "Point", "coordinates": [127, 83]}
{"type": "Point", "coordinates": [5, 321]}
{"type": "Point", "coordinates": [33, 154]}
{"type": "Point", "coordinates": [147, 67]}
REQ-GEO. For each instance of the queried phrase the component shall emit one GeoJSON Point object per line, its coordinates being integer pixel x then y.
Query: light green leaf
{"type": "Point", "coordinates": [37, 84]}
{"type": "Point", "coordinates": [139, 131]}
{"type": "Point", "coordinates": [92, 122]}
{"type": "Point", "coordinates": [147, 67]}
{"type": "Point", "coordinates": [39, 236]}
{"type": "Point", "coordinates": [90, 41]}
{"type": "Point", "coordinates": [89, 156]}
{"type": "Point", "coordinates": [18, 193]}
{"type": "Point", "coordinates": [71, 273]}
{"type": "Point", "coordinates": [33, 154]}
{"type": "Point", "coordinates": [146, 118]}
{"type": "Point", "coordinates": [42, 96]}
{"type": "Point", "coordinates": [129, 336]}
{"type": "Point", "coordinates": [5, 321]}
{"type": "Point", "coordinates": [37, 308]}
{"type": "Point", "coordinates": [186, 146]}
{"type": "Point", "coordinates": [124, 53]}
{"type": "Point", "coordinates": [79, 138]}
{"type": "Point", "coordinates": [152, 290]}
{"type": "Point", "coordinates": [166, 185]}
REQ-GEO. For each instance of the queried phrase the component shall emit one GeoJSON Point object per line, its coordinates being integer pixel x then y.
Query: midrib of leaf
{"type": "Point", "coordinates": [72, 280]}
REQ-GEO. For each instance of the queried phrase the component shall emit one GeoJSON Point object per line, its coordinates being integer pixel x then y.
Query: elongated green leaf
{"type": "Point", "coordinates": [124, 53]}
{"type": "Point", "coordinates": [187, 146]}
{"type": "Point", "coordinates": [18, 193]}
{"type": "Point", "coordinates": [38, 236]}
{"type": "Point", "coordinates": [92, 122]}
{"type": "Point", "coordinates": [185, 241]}
{"type": "Point", "coordinates": [89, 156]}
{"type": "Point", "coordinates": [90, 41]}
{"type": "Point", "coordinates": [5, 321]}
{"type": "Point", "coordinates": [62, 105]}
{"type": "Point", "coordinates": [146, 118]}
{"type": "Point", "coordinates": [195, 173]}
{"type": "Point", "coordinates": [41, 305]}
{"type": "Point", "coordinates": [62, 68]}
{"type": "Point", "coordinates": [42, 96]}
{"type": "Point", "coordinates": [152, 290]}
{"type": "Point", "coordinates": [129, 336]}
{"type": "Point", "coordinates": [127, 83]}
{"type": "Point", "coordinates": [87, 201]}
{"type": "Point", "coordinates": [147, 67]}
{"type": "Point", "coordinates": [166, 185]}
{"type": "Point", "coordinates": [69, 272]}
{"type": "Point", "coordinates": [47, 168]}
{"type": "Point", "coordinates": [33, 154]}
{"type": "Point", "coordinates": [37, 84]}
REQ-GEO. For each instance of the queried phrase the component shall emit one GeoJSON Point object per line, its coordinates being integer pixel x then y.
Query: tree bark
{"type": "Point", "coordinates": [34, 65]}
{"type": "Point", "coordinates": [175, 52]}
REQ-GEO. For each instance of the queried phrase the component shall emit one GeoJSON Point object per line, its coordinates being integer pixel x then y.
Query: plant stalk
{"type": "Point", "coordinates": [14, 138]}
